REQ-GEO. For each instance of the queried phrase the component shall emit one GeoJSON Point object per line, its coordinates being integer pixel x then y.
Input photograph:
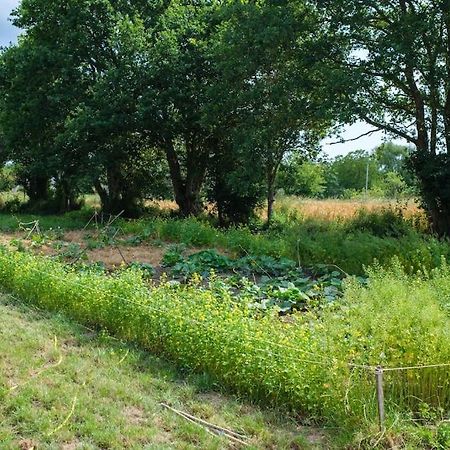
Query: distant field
{"type": "Point", "coordinates": [333, 209]}
{"type": "Point", "coordinates": [326, 209]}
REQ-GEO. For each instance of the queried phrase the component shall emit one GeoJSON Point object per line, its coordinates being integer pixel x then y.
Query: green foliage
{"type": "Point", "coordinates": [147, 269]}
{"type": "Point", "coordinates": [351, 170]}
{"type": "Point", "coordinates": [262, 282]}
{"type": "Point", "coordinates": [72, 251]}
{"type": "Point", "coordinates": [119, 389]}
{"type": "Point", "coordinates": [383, 88]}
{"type": "Point", "coordinates": [396, 320]}
{"type": "Point", "coordinates": [384, 223]}
{"type": "Point", "coordinates": [302, 178]}
{"type": "Point", "coordinates": [351, 244]}
{"type": "Point", "coordinates": [202, 263]}
{"type": "Point", "coordinates": [345, 176]}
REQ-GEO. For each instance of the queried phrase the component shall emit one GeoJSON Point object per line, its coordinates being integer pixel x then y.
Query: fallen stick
{"type": "Point", "coordinates": [220, 431]}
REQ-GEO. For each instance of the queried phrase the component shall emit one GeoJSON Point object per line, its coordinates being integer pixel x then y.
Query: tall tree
{"type": "Point", "coordinates": [44, 79]}
{"type": "Point", "coordinates": [276, 63]}
{"type": "Point", "coordinates": [180, 73]}
{"type": "Point", "coordinates": [399, 81]}
{"type": "Point", "coordinates": [69, 112]}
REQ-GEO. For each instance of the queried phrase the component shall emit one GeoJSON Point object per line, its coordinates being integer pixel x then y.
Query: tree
{"type": "Point", "coordinates": [123, 165]}
{"type": "Point", "coordinates": [354, 169]}
{"type": "Point", "coordinates": [302, 178]}
{"type": "Point", "coordinates": [276, 82]}
{"type": "Point", "coordinates": [180, 74]}
{"type": "Point", "coordinates": [76, 118]}
{"type": "Point", "coordinates": [392, 157]}
{"type": "Point", "coordinates": [44, 79]}
{"type": "Point", "coordinates": [398, 74]}
{"type": "Point", "coordinates": [29, 114]}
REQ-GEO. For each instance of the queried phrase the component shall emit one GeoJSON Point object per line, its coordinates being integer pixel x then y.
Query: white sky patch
{"type": "Point", "coordinates": [8, 32]}
{"type": "Point", "coordinates": [368, 142]}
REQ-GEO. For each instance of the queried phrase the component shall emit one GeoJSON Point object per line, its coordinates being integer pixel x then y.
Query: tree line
{"type": "Point", "coordinates": [206, 100]}
{"type": "Point", "coordinates": [380, 173]}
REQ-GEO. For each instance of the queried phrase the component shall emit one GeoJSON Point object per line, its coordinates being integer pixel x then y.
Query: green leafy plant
{"type": "Point", "coordinates": [173, 255]}
{"type": "Point", "coordinates": [301, 364]}
{"type": "Point", "coordinates": [146, 268]}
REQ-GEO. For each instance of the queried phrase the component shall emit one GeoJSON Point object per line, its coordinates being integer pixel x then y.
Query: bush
{"type": "Point", "coordinates": [382, 223]}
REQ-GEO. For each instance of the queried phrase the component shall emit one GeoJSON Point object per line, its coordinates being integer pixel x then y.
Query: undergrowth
{"type": "Point", "coordinates": [302, 364]}
{"type": "Point", "coordinates": [351, 243]}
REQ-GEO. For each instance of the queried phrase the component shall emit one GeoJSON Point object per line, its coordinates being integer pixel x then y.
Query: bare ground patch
{"type": "Point", "coordinates": [111, 255]}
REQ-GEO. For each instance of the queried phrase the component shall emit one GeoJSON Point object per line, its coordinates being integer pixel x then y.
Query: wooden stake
{"type": "Point", "coordinates": [380, 396]}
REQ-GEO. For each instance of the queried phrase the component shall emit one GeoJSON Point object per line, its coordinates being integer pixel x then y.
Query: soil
{"type": "Point", "coordinates": [112, 256]}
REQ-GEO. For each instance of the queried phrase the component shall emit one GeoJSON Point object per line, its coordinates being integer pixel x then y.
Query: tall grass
{"type": "Point", "coordinates": [351, 244]}
{"type": "Point", "coordinates": [338, 210]}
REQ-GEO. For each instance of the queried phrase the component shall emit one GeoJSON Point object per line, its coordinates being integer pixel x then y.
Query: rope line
{"type": "Point", "coordinates": [387, 369]}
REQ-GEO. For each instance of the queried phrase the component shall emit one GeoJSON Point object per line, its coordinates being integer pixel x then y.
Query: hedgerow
{"type": "Point", "coordinates": [301, 363]}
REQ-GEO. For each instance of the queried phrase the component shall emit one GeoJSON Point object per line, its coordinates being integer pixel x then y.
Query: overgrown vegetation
{"type": "Point", "coordinates": [132, 112]}
{"type": "Point", "coordinates": [221, 107]}
{"type": "Point", "coordinates": [349, 243]}
{"type": "Point", "coordinates": [51, 365]}
{"type": "Point", "coordinates": [291, 364]}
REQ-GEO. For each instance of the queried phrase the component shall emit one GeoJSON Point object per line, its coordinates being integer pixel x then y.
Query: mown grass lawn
{"type": "Point", "coordinates": [64, 387]}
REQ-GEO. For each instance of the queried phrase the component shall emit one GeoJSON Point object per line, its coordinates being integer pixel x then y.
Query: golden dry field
{"type": "Point", "coordinates": [335, 209]}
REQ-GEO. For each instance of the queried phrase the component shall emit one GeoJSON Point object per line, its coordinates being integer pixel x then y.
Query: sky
{"type": "Point", "coordinates": [9, 33]}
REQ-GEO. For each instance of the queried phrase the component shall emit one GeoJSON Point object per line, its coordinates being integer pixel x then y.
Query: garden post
{"type": "Point", "coordinates": [380, 396]}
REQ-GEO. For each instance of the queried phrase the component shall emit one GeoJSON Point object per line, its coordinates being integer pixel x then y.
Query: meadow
{"type": "Point", "coordinates": [282, 282]}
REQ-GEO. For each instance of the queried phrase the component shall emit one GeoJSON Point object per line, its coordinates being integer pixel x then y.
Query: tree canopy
{"type": "Point", "coordinates": [206, 100]}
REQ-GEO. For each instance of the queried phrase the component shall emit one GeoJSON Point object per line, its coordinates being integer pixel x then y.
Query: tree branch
{"type": "Point", "coordinates": [388, 128]}
{"type": "Point", "coordinates": [343, 141]}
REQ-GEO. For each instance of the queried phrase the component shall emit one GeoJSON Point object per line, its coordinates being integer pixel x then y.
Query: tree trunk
{"type": "Point", "coordinates": [101, 191]}
{"type": "Point", "coordinates": [433, 173]}
{"type": "Point", "coordinates": [186, 191]}
{"type": "Point", "coordinates": [37, 188]}
{"type": "Point", "coordinates": [440, 220]}
{"type": "Point", "coordinates": [270, 202]}
{"type": "Point", "coordinates": [271, 176]}
{"type": "Point", "coordinates": [65, 194]}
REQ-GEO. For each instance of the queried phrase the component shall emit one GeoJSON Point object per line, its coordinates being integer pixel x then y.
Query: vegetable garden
{"type": "Point", "coordinates": [303, 338]}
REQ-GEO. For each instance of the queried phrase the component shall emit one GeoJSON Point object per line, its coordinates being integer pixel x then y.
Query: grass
{"type": "Point", "coordinates": [300, 365]}
{"type": "Point", "coordinates": [337, 209]}
{"type": "Point", "coordinates": [69, 221]}
{"type": "Point", "coordinates": [115, 391]}
{"type": "Point", "coordinates": [323, 209]}
{"type": "Point", "coordinates": [351, 244]}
